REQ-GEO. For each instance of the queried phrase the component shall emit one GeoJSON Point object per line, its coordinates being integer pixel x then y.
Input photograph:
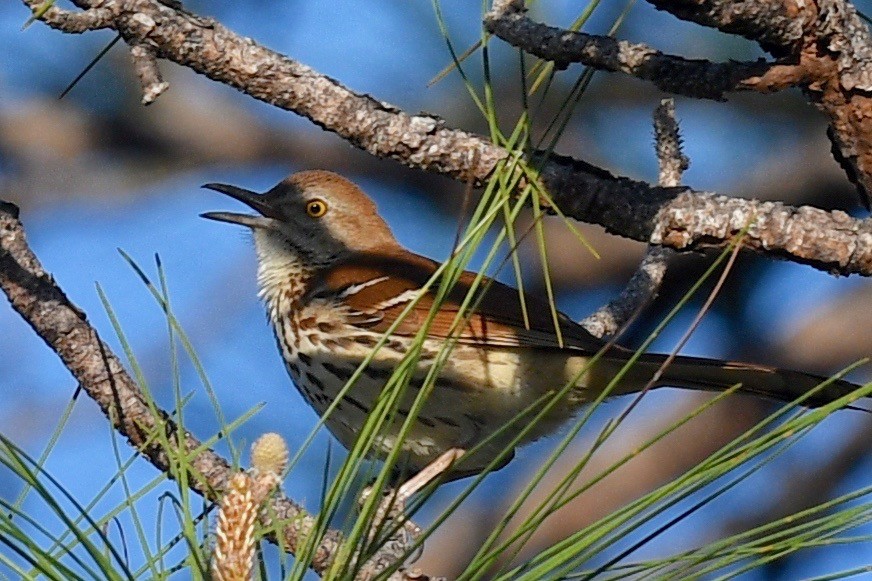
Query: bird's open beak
{"type": "Point", "coordinates": [251, 199]}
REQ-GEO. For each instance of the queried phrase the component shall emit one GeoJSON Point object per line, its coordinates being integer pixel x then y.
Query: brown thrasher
{"type": "Point", "coordinates": [334, 280]}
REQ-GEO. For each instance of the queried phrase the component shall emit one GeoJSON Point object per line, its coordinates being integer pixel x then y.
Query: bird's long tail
{"type": "Point", "coordinates": [712, 375]}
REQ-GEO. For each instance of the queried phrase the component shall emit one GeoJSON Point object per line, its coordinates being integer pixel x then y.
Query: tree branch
{"type": "Point", "coordinates": [831, 49]}
{"type": "Point", "coordinates": [34, 295]}
{"type": "Point", "coordinates": [830, 57]}
{"type": "Point", "coordinates": [72, 22]}
{"type": "Point", "coordinates": [689, 220]}
{"type": "Point", "coordinates": [774, 24]}
{"type": "Point", "coordinates": [145, 63]}
{"type": "Point", "coordinates": [670, 73]}
{"type": "Point", "coordinates": [667, 216]}
{"type": "Point", "coordinates": [646, 281]}
{"type": "Point", "coordinates": [667, 140]}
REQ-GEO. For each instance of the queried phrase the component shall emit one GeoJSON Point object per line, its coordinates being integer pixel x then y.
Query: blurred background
{"type": "Point", "coordinates": [96, 172]}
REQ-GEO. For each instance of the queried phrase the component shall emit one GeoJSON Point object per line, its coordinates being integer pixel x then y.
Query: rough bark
{"type": "Point", "coordinates": [637, 210]}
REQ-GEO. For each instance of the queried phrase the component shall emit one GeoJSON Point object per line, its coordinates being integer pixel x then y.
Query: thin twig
{"type": "Point", "coordinates": [643, 286]}
{"type": "Point", "coordinates": [72, 22]}
{"type": "Point", "coordinates": [392, 510]}
{"type": "Point", "coordinates": [667, 141]}
{"type": "Point", "coordinates": [145, 65]}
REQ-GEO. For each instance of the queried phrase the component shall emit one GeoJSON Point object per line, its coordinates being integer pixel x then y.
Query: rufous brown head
{"type": "Point", "coordinates": [315, 217]}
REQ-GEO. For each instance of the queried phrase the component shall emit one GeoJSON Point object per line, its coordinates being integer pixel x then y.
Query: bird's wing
{"type": "Point", "coordinates": [377, 289]}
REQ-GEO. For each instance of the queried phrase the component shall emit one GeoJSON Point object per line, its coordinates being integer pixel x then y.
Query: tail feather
{"type": "Point", "coordinates": [710, 375]}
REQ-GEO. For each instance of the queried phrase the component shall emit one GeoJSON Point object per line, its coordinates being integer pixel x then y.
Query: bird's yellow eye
{"type": "Point", "coordinates": [316, 208]}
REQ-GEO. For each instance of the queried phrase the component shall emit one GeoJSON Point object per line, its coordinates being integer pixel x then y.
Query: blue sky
{"type": "Point", "coordinates": [390, 50]}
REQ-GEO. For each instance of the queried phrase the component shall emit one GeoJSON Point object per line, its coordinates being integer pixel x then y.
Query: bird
{"type": "Point", "coordinates": [339, 288]}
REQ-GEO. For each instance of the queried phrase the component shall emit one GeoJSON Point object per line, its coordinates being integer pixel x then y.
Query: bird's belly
{"type": "Point", "coordinates": [476, 393]}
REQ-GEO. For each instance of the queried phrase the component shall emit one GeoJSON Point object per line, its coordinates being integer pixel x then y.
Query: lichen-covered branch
{"type": "Point", "coordinates": [145, 64]}
{"type": "Point", "coordinates": [670, 73]}
{"type": "Point", "coordinates": [678, 217]}
{"type": "Point", "coordinates": [209, 48]}
{"type": "Point", "coordinates": [684, 219]}
{"type": "Point", "coordinates": [645, 283]}
{"type": "Point", "coordinates": [824, 48]}
{"type": "Point", "coordinates": [804, 235]}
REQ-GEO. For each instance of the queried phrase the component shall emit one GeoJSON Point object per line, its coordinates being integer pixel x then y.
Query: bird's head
{"type": "Point", "coordinates": [312, 217]}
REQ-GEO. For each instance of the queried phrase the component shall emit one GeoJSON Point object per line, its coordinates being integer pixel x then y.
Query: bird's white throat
{"type": "Point", "coordinates": [280, 271]}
